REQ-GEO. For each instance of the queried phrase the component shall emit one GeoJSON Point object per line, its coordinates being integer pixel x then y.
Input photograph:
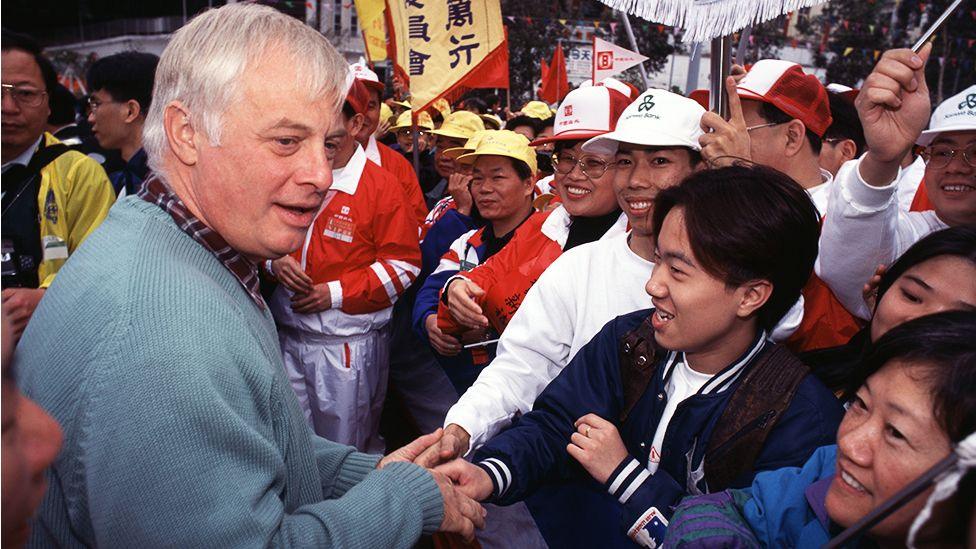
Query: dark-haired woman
{"type": "Point", "coordinates": [936, 274]}
{"type": "Point", "coordinates": [912, 401]}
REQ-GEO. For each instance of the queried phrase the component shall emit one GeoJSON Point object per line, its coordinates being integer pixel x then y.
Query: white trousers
{"type": "Point", "coordinates": [340, 383]}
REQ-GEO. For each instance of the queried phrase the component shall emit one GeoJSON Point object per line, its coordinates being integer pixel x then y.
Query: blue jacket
{"type": "Point", "coordinates": [439, 238]}
{"type": "Point", "coordinates": [782, 508]}
{"type": "Point", "coordinates": [532, 454]}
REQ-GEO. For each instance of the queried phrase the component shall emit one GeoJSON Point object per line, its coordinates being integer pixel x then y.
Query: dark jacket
{"type": "Point", "coordinates": [533, 452]}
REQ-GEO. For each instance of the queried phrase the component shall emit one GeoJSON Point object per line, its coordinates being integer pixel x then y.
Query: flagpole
{"type": "Point", "coordinates": [633, 44]}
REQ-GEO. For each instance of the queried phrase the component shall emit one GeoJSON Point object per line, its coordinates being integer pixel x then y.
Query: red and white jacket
{"type": "Point", "coordinates": [402, 170]}
{"type": "Point", "coordinates": [364, 245]}
{"type": "Point", "coordinates": [507, 276]}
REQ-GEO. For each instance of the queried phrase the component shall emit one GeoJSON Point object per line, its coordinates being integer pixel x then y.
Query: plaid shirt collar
{"type": "Point", "coordinates": [246, 272]}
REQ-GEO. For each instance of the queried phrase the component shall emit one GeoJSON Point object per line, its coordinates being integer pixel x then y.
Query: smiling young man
{"type": "Point", "coordinates": [121, 92]}
{"type": "Point", "coordinates": [653, 407]}
{"type": "Point", "coordinates": [338, 291]}
{"type": "Point", "coordinates": [156, 352]}
{"type": "Point", "coordinates": [867, 227]}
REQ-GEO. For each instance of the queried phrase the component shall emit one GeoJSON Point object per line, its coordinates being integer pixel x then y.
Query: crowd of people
{"type": "Point", "coordinates": [234, 273]}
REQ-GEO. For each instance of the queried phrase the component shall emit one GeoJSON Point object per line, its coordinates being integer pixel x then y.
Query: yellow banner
{"type": "Point", "coordinates": [437, 43]}
{"type": "Point", "coordinates": [373, 26]}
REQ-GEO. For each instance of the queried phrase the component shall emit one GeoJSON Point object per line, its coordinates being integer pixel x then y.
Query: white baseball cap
{"type": "Point", "coordinates": [585, 113]}
{"type": "Point", "coordinates": [360, 71]}
{"type": "Point", "coordinates": [956, 114]}
{"type": "Point", "coordinates": [658, 118]}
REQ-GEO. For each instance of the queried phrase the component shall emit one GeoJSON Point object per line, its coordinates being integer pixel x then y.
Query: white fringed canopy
{"type": "Point", "coordinates": [703, 20]}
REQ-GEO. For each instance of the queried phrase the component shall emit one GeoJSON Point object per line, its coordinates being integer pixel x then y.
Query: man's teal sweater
{"type": "Point", "coordinates": [180, 426]}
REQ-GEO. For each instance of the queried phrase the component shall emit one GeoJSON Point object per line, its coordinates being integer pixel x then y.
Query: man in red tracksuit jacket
{"type": "Point", "coordinates": [379, 153]}
{"type": "Point", "coordinates": [338, 290]}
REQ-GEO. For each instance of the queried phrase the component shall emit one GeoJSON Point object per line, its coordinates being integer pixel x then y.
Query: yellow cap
{"type": "Point", "coordinates": [460, 125]}
{"type": "Point", "coordinates": [385, 112]}
{"type": "Point", "coordinates": [469, 146]}
{"type": "Point", "coordinates": [424, 122]}
{"type": "Point", "coordinates": [442, 107]}
{"type": "Point", "coordinates": [403, 103]}
{"type": "Point", "coordinates": [492, 122]}
{"type": "Point", "coordinates": [537, 109]}
{"type": "Point", "coordinates": [502, 143]}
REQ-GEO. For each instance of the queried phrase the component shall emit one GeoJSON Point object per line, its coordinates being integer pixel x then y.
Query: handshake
{"type": "Point", "coordinates": [462, 484]}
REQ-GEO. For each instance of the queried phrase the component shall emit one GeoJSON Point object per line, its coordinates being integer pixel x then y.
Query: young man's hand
{"type": "Point", "coordinates": [470, 479]}
{"type": "Point", "coordinates": [597, 446]}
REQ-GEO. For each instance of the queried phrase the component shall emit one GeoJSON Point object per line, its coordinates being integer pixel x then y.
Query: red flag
{"type": "Point", "coordinates": [555, 84]}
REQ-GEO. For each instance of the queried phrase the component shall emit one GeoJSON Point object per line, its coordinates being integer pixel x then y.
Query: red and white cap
{"type": "Point", "coordinates": [847, 92]}
{"type": "Point", "coordinates": [363, 73]}
{"type": "Point", "coordinates": [658, 118]}
{"type": "Point", "coordinates": [585, 113]}
{"type": "Point", "coordinates": [956, 114]}
{"type": "Point", "coordinates": [784, 85]}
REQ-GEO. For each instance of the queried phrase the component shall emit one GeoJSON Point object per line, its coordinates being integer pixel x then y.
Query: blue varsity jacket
{"type": "Point", "coordinates": [573, 510]}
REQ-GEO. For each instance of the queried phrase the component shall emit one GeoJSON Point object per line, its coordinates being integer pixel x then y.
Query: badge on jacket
{"type": "Point", "coordinates": [54, 248]}
{"type": "Point", "coordinates": [339, 228]}
{"type": "Point", "coordinates": [51, 207]}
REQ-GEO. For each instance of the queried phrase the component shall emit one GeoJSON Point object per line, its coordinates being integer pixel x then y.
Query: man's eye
{"type": "Point", "coordinates": [660, 161]}
{"type": "Point", "coordinates": [286, 141]}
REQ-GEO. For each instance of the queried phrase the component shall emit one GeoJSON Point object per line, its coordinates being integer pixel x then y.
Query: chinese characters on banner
{"type": "Point", "coordinates": [373, 26]}
{"type": "Point", "coordinates": [442, 48]}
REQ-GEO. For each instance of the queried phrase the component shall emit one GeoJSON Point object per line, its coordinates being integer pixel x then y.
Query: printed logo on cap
{"type": "Point", "coordinates": [969, 102]}
{"type": "Point", "coordinates": [568, 110]}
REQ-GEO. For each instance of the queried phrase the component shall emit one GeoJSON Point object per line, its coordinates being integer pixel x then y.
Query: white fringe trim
{"type": "Point", "coordinates": [703, 20]}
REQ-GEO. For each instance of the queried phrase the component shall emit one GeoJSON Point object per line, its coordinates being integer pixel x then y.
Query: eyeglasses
{"type": "Point", "coordinates": [940, 156]}
{"type": "Point", "coordinates": [766, 125]}
{"type": "Point", "coordinates": [25, 97]}
{"type": "Point", "coordinates": [591, 166]}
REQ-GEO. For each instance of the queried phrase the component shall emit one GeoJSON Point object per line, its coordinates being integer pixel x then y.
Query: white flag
{"type": "Point", "coordinates": [609, 59]}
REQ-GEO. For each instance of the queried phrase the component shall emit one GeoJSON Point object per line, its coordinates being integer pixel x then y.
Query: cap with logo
{"type": "Point", "coordinates": [502, 143]}
{"type": "Point", "coordinates": [424, 121]}
{"type": "Point", "coordinates": [956, 114]}
{"type": "Point", "coordinates": [361, 72]}
{"type": "Point", "coordinates": [784, 85]}
{"type": "Point", "coordinates": [537, 109]}
{"type": "Point", "coordinates": [585, 113]}
{"type": "Point", "coordinates": [460, 125]}
{"type": "Point", "coordinates": [658, 118]}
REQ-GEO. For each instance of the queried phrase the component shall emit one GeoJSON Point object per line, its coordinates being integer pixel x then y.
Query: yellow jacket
{"type": "Point", "coordinates": [75, 196]}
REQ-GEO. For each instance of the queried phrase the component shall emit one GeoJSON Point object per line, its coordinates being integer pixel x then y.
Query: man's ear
{"type": "Point", "coordinates": [848, 149]}
{"type": "Point", "coordinates": [356, 124]}
{"type": "Point", "coordinates": [753, 295]}
{"type": "Point", "coordinates": [180, 133]}
{"type": "Point", "coordinates": [132, 111]}
{"type": "Point", "coordinates": [796, 137]}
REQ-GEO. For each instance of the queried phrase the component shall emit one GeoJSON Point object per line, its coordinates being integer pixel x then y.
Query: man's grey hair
{"type": "Point", "coordinates": [205, 60]}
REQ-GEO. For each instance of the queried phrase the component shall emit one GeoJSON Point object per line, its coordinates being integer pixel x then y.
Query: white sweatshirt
{"type": "Point", "coordinates": [581, 291]}
{"type": "Point", "coordinates": [865, 227]}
